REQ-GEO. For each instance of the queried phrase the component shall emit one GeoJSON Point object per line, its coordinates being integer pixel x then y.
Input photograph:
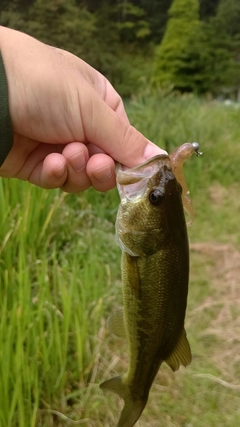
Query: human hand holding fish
{"type": "Point", "coordinates": [62, 124]}
{"type": "Point", "coordinates": [152, 233]}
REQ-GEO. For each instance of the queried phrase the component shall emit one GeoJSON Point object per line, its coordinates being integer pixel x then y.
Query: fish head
{"type": "Point", "coordinates": [151, 207]}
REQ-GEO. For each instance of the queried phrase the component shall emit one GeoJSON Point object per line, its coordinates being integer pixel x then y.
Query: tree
{"type": "Point", "coordinates": [208, 8]}
{"type": "Point", "coordinates": [62, 24]}
{"type": "Point", "coordinates": [156, 14]}
{"type": "Point", "coordinates": [180, 58]}
{"type": "Point", "coordinates": [228, 17]}
{"type": "Point", "coordinates": [223, 34]}
{"type": "Point", "coordinates": [119, 38]}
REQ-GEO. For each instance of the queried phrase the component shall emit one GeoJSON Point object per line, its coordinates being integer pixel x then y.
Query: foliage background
{"type": "Point", "coordinates": [190, 44]}
{"type": "Point", "coordinates": [59, 261]}
{"type": "Point", "coordinates": [60, 281]}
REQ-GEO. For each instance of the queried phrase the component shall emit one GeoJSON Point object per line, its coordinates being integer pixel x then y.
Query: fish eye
{"type": "Point", "coordinates": [155, 197]}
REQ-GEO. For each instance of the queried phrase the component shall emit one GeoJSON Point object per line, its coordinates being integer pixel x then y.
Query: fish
{"type": "Point", "coordinates": [152, 233]}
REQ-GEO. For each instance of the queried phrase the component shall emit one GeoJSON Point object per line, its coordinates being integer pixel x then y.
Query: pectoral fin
{"type": "Point", "coordinates": [181, 354]}
{"type": "Point", "coordinates": [116, 324]}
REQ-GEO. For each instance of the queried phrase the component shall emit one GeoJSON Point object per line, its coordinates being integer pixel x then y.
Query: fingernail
{"type": "Point", "coordinates": [78, 161]}
{"type": "Point", "coordinates": [152, 150]}
{"type": "Point", "coordinates": [103, 174]}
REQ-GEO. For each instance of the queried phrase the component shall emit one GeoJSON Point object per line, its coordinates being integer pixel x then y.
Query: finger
{"type": "Point", "coordinates": [107, 130]}
{"type": "Point", "coordinates": [109, 94]}
{"type": "Point", "coordinates": [41, 166]}
{"type": "Point", "coordinates": [18, 163]}
{"type": "Point", "coordinates": [93, 149]}
{"type": "Point", "coordinates": [50, 173]}
{"type": "Point", "coordinates": [76, 155]}
{"type": "Point", "coordinates": [101, 172]}
{"type": "Point", "coordinates": [53, 171]}
{"type": "Point", "coordinates": [114, 101]}
{"type": "Point", "coordinates": [102, 86]}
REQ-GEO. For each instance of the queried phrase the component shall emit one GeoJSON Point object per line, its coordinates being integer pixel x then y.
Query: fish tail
{"type": "Point", "coordinates": [132, 408]}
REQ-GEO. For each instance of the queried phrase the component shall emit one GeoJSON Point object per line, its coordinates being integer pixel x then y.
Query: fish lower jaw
{"type": "Point", "coordinates": [125, 248]}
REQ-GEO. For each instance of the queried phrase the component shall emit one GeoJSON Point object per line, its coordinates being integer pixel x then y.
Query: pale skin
{"type": "Point", "coordinates": [70, 125]}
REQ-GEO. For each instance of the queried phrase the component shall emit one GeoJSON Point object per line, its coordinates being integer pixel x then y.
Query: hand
{"type": "Point", "coordinates": [69, 123]}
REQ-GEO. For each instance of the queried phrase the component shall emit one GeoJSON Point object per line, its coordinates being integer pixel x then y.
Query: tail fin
{"type": "Point", "coordinates": [132, 408]}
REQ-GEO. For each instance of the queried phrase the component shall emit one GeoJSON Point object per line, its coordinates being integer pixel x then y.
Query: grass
{"type": "Point", "coordinates": [60, 279]}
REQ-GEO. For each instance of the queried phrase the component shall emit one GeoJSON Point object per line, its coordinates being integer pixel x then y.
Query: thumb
{"type": "Point", "coordinates": [114, 135]}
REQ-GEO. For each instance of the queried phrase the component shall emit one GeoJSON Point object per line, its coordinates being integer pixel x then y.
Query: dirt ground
{"type": "Point", "coordinates": [224, 300]}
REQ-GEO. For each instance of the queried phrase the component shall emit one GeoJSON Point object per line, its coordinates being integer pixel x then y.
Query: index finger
{"type": "Point", "coordinates": [112, 133]}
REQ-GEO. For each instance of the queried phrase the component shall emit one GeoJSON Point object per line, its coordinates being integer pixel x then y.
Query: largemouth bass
{"type": "Point", "coordinates": [152, 233]}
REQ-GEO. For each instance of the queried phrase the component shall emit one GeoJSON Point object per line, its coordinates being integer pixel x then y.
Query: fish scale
{"type": "Point", "coordinates": [152, 233]}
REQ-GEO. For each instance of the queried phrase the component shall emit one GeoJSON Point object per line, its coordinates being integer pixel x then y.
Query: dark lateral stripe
{"type": "Point", "coordinates": [6, 129]}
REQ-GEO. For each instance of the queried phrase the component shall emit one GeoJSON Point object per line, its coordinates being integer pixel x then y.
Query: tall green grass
{"type": "Point", "coordinates": [60, 278]}
{"type": "Point", "coordinates": [54, 274]}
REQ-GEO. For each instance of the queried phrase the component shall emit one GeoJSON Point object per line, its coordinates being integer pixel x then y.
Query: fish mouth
{"type": "Point", "coordinates": [126, 176]}
{"type": "Point", "coordinates": [132, 182]}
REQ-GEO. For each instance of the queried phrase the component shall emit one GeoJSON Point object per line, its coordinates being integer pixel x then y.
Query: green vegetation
{"type": "Point", "coordinates": [199, 55]}
{"type": "Point", "coordinates": [189, 45]}
{"type": "Point", "coordinates": [59, 261]}
{"type": "Point", "coordinates": [175, 61]}
{"type": "Point", "coordinates": [60, 280]}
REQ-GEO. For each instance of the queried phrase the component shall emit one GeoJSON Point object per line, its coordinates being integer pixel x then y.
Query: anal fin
{"type": "Point", "coordinates": [181, 354]}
